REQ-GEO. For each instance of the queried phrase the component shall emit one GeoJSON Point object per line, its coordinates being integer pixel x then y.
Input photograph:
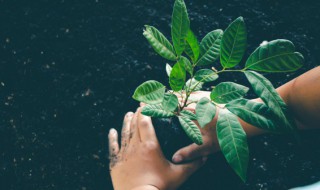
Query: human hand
{"type": "Point", "coordinates": [139, 163]}
{"type": "Point", "coordinates": [210, 142]}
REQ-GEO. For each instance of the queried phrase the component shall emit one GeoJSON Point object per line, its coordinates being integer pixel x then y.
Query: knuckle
{"type": "Point", "coordinates": [114, 160]}
{"type": "Point", "coordinates": [185, 152]}
{"type": "Point", "coordinates": [125, 134]}
{"type": "Point", "coordinates": [114, 145]}
{"type": "Point", "coordinates": [150, 145]}
{"type": "Point", "coordinates": [144, 122]}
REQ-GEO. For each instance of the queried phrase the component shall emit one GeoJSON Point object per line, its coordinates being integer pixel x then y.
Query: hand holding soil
{"type": "Point", "coordinates": [293, 93]}
{"type": "Point", "coordinates": [139, 162]}
{"type": "Point", "coordinates": [210, 142]}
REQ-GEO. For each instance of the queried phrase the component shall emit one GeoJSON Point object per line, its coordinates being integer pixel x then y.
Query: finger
{"type": "Point", "coordinates": [113, 142]}
{"type": "Point", "coordinates": [191, 107]}
{"type": "Point", "coordinates": [125, 133]}
{"type": "Point", "coordinates": [190, 152]}
{"type": "Point", "coordinates": [146, 129]}
{"type": "Point", "coordinates": [134, 127]}
{"type": "Point", "coordinates": [185, 170]}
{"type": "Point", "coordinates": [113, 147]}
{"type": "Point", "coordinates": [142, 104]}
{"type": "Point", "coordinates": [180, 95]}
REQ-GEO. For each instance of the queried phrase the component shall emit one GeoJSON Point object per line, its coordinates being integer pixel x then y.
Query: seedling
{"type": "Point", "coordinates": [227, 47]}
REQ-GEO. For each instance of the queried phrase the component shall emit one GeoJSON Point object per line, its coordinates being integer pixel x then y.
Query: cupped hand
{"type": "Point", "coordinates": [210, 142]}
{"type": "Point", "coordinates": [140, 163]}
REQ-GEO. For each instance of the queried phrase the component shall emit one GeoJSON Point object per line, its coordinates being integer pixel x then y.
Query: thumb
{"type": "Point", "coordinates": [190, 152]}
{"type": "Point", "coordinates": [187, 169]}
{"type": "Point", "coordinates": [142, 104]}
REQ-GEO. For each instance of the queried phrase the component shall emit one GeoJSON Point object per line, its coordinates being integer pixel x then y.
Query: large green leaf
{"type": "Point", "coordinates": [264, 89]}
{"type": "Point", "coordinates": [205, 111]}
{"type": "Point", "coordinates": [150, 92]}
{"type": "Point", "coordinates": [252, 112]}
{"type": "Point", "coordinates": [233, 142]}
{"type": "Point", "coordinates": [180, 26]}
{"type": "Point", "coordinates": [206, 75]}
{"type": "Point", "coordinates": [233, 43]}
{"type": "Point", "coordinates": [187, 64]}
{"type": "Point", "coordinates": [275, 56]}
{"type": "Point", "coordinates": [191, 129]}
{"type": "Point", "coordinates": [193, 84]}
{"type": "Point", "coordinates": [188, 114]}
{"type": "Point", "coordinates": [168, 69]}
{"type": "Point", "coordinates": [170, 102]}
{"type": "Point", "coordinates": [210, 48]}
{"type": "Point", "coordinates": [227, 91]}
{"type": "Point", "coordinates": [177, 76]}
{"type": "Point", "coordinates": [159, 43]}
{"type": "Point", "coordinates": [156, 110]}
{"type": "Point", "coordinates": [192, 46]}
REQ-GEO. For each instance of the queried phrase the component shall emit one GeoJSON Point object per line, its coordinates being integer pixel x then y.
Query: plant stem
{"type": "Point", "coordinates": [188, 88]}
{"type": "Point", "coordinates": [223, 70]}
{"type": "Point", "coordinates": [188, 92]}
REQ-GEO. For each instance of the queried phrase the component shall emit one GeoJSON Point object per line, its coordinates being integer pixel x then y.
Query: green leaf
{"type": "Point", "coordinates": [192, 46]}
{"type": "Point", "coordinates": [206, 75]}
{"type": "Point", "coordinates": [191, 129]}
{"type": "Point", "coordinates": [150, 92]}
{"type": "Point", "coordinates": [156, 111]}
{"type": "Point", "coordinates": [170, 102]}
{"type": "Point", "coordinates": [193, 84]}
{"type": "Point", "coordinates": [180, 26]}
{"type": "Point", "coordinates": [275, 56]}
{"type": "Point", "coordinates": [227, 91]}
{"type": "Point", "coordinates": [233, 43]}
{"type": "Point", "coordinates": [264, 89]}
{"type": "Point", "coordinates": [210, 48]}
{"type": "Point", "coordinates": [252, 112]}
{"type": "Point", "coordinates": [186, 64]}
{"type": "Point", "coordinates": [188, 114]}
{"type": "Point", "coordinates": [159, 43]}
{"type": "Point", "coordinates": [177, 76]}
{"type": "Point", "coordinates": [168, 69]}
{"type": "Point", "coordinates": [205, 111]}
{"type": "Point", "coordinates": [233, 142]}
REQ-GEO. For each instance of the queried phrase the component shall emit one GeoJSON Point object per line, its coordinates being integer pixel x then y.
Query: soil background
{"type": "Point", "coordinates": [68, 69]}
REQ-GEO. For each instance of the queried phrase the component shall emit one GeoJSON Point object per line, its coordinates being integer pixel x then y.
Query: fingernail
{"type": "Point", "coordinates": [129, 114]}
{"type": "Point", "coordinates": [112, 131]}
{"type": "Point", "coordinates": [177, 158]}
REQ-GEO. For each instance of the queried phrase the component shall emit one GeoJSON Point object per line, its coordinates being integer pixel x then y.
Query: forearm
{"type": "Point", "coordinates": [302, 95]}
{"type": "Point", "coordinates": [303, 98]}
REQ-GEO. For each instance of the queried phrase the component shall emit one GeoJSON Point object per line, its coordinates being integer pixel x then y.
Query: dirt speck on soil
{"type": "Point", "coordinates": [68, 70]}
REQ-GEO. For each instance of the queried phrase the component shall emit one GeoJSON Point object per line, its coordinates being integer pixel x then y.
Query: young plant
{"type": "Point", "coordinates": [229, 47]}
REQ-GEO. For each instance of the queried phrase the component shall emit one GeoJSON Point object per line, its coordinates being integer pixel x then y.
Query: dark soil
{"type": "Point", "coordinates": [68, 70]}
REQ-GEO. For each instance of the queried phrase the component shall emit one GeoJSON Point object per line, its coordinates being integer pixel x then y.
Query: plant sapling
{"type": "Point", "coordinates": [228, 47]}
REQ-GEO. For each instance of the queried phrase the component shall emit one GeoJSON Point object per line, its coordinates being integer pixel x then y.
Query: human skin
{"type": "Point", "coordinates": [139, 163]}
{"type": "Point", "coordinates": [302, 96]}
